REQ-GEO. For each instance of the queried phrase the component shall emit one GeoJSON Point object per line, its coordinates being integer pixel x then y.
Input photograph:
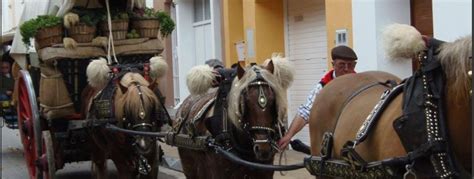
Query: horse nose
{"type": "Point", "coordinates": [262, 152]}
{"type": "Point", "coordinates": [142, 145]}
{"type": "Point", "coordinates": [256, 149]}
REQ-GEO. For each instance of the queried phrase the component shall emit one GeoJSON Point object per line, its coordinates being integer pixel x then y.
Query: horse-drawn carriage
{"type": "Point", "coordinates": [231, 131]}
{"type": "Point", "coordinates": [49, 143]}
{"type": "Point", "coordinates": [66, 102]}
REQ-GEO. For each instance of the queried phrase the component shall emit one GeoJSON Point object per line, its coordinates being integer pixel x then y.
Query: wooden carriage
{"type": "Point", "coordinates": [50, 141]}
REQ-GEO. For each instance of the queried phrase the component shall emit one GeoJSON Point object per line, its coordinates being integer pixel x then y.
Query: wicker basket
{"type": "Point", "coordinates": [49, 36]}
{"type": "Point", "coordinates": [146, 27]}
{"type": "Point", "coordinates": [82, 33]}
{"type": "Point", "coordinates": [119, 29]}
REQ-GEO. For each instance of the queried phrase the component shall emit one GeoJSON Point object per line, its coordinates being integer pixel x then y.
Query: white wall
{"type": "Point", "coordinates": [195, 45]}
{"type": "Point", "coordinates": [216, 29]}
{"type": "Point", "coordinates": [452, 19]}
{"type": "Point", "coordinates": [369, 17]}
{"type": "Point", "coordinates": [363, 30]}
{"type": "Point", "coordinates": [149, 3]}
{"type": "Point", "coordinates": [11, 14]}
{"type": "Point", "coordinates": [185, 47]}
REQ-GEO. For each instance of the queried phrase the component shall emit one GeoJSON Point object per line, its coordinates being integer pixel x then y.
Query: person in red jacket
{"type": "Point", "coordinates": [343, 62]}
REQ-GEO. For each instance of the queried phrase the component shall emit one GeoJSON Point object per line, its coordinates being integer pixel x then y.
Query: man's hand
{"type": "Point", "coordinates": [296, 125]}
{"type": "Point", "coordinates": [284, 141]}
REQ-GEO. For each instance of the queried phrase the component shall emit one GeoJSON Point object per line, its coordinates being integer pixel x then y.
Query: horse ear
{"type": "Point", "coordinates": [270, 67]}
{"type": "Point", "coordinates": [240, 71]}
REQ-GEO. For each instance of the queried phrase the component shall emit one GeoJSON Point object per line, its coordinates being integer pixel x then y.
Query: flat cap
{"type": "Point", "coordinates": [343, 52]}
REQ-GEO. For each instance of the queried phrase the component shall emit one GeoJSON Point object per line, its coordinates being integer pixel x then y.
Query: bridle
{"type": "Point", "coordinates": [274, 132]}
{"type": "Point", "coordinates": [144, 69]}
{"type": "Point", "coordinates": [143, 122]}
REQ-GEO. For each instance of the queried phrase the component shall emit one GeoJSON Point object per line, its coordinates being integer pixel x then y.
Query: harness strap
{"type": "Point", "coordinates": [161, 100]}
{"type": "Point", "coordinates": [358, 168]}
{"type": "Point", "coordinates": [387, 83]}
{"type": "Point", "coordinates": [340, 168]}
{"type": "Point", "coordinates": [375, 114]}
{"type": "Point", "coordinates": [348, 151]}
{"type": "Point", "coordinates": [103, 102]}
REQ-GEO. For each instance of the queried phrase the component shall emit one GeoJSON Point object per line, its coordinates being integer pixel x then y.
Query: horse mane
{"type": "Point", "coordinates": [283, 70]}
{"type": "Point", "coordinates": [130, 100]}
{"type": "Point", "coordinates": [238, 85]}
{"type": "Point", "coordinates": [456, 59]}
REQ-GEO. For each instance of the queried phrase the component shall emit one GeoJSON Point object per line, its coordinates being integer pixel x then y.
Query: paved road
{"type": "Point", "coordinates": [13, 164]}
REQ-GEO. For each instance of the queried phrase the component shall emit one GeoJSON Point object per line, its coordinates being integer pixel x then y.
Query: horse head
{"type": "Point", "coordinates": [136, 106]}
{"type": "Point", "coordinates": [257, 107]}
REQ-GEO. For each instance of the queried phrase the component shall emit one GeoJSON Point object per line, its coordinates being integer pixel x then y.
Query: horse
{"type": "Point", "coordinates": [252, 106]}
{"type": "Point", "coordinates": [344, 104]}
{"type": "Point", "coordinates": [131, 102]}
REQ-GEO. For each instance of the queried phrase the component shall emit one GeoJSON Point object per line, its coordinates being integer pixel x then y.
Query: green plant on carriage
{"type": "Point", "coordinates": [89, 16]}
{"type": "Point", "coordinates": [31, 27]}
{"type": "Point", "coordinates": [166, 24]}
{"type": "Point", "coordinates": [115, 14]}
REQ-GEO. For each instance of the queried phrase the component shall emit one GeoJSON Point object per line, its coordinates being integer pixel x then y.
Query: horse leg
{"type": "Point", "coordinates": [124, 170]}
{"type": "Point", "coordinates": [99, 165]}
{"type": "Point", "coordinates": [190, 170]}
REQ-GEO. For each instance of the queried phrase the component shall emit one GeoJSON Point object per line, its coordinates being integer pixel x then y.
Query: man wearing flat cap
{"type": "Point", "coordinates": [343, 62]}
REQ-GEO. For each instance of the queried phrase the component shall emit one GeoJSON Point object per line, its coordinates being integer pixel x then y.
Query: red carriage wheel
{"type": "Point", "coordinates": [47, 160]}
{"type": "Point", "coordinates": [29, 122]}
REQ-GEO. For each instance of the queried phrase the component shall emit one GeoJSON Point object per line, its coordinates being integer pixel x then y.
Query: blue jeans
{"type": "Point", "coordinates": [9, 113]}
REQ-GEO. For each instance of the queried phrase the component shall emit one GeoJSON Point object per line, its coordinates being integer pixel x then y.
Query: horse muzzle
{"type": "Point", "coordinates": [143, 144]}
{"type": "Point", "coordinates": [263, 149]}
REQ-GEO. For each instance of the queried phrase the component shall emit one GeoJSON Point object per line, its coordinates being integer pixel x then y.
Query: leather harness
{"type": "Point", "coordinates": [422, 129]}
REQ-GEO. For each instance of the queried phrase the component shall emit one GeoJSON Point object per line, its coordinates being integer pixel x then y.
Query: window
{"type": "Point", "coordinates": [202, 10]}
{"type": "Point", "coordinates": [341, 37]}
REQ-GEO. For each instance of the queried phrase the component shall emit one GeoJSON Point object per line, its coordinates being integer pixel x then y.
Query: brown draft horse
{"type": "Point", "coordinates": [136, 107]}
{"type": "Point", "coordinates": [256, 106]}
{"type": "Point", "coordinates": [383, 142]}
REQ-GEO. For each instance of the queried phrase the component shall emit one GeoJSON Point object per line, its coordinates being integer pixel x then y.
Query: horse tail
{"type": "Point", "coordinates": [138, 100]}
{"type": "Point", "coordinates": [402, 42]}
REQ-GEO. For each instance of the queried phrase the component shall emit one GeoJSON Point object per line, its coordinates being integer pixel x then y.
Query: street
{"type": "Point", "coordinates": [13, 164]}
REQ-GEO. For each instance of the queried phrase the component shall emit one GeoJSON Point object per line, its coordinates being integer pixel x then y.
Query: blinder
{"type": "Point", "coordinates": [121, 69]}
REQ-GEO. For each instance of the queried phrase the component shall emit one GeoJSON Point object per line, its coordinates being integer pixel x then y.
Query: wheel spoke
{"type": "Point", "coordinates": [26, 122]}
